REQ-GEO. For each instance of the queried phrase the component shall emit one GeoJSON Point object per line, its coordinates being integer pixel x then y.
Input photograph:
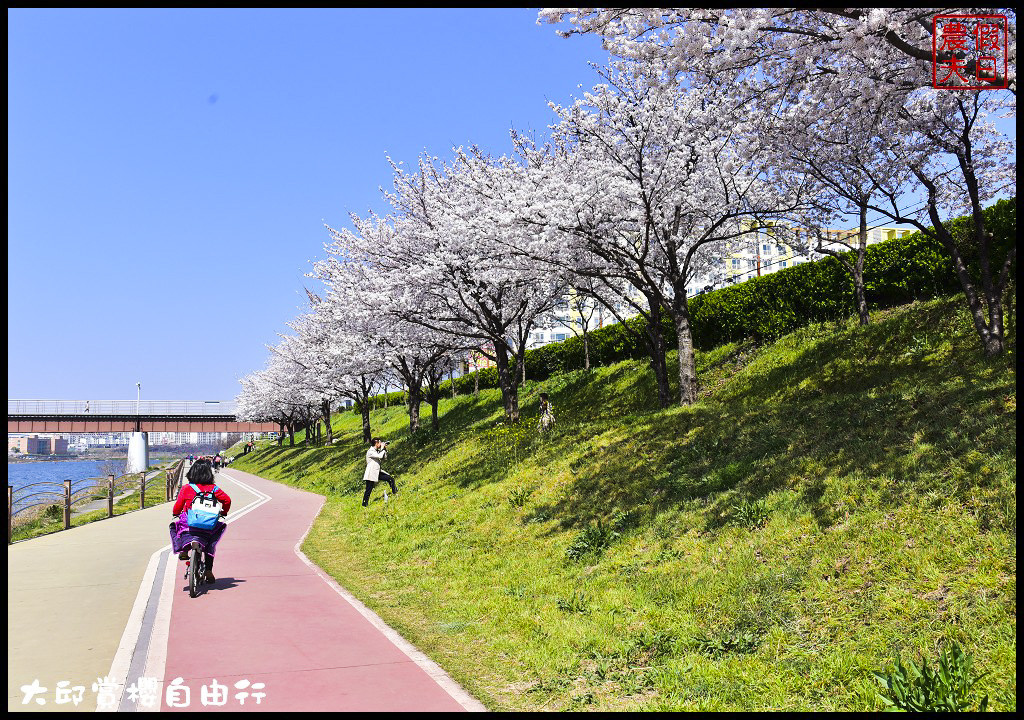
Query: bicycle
{"type": "Point", "coordinates": [195, 568]}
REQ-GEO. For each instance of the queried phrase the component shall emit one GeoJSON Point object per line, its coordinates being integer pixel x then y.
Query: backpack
{"type": "Point", "coordinates": [204, 510]}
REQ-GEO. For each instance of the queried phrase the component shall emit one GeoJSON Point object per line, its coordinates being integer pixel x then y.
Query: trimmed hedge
{"type": "Point", "coordinates": [896, 272]}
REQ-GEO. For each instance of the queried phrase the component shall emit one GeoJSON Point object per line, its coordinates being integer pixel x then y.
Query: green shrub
{"type": "Point", "coordinates": [946, 689]}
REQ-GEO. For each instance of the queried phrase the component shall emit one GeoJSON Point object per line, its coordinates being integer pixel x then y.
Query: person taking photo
{"type": "Point", "coordinates": [374, 455]}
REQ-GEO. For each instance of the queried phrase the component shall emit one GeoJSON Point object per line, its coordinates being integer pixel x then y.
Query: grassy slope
{"type": "Point", "coordinates": [837, 499]}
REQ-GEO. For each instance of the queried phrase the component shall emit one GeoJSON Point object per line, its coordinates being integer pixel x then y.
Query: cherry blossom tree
{"type": "Point", "coordinates": [647, 185]}
{"type": "Point", "coordinates": [830, 59]}
{"type": "Point", "coordinates": [346, 361]}
{"type": "Point", "coordinates": [844, 161]}
{"type": "Point", "coordinates": [276, 394]}
{"type": "Point", "coordinates": [441, 261]}
{"type": "Point", "coordinates": [962, 163]}
{"type": "Point", "coordinates": [416, 353]}
{"type": "Point", "coordinates": [875, 48]}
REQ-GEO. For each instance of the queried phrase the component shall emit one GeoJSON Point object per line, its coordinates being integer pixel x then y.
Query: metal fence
{"type": "Point", "coordinates": [68, 495]}
{"type": "Point", "coordinates": [120, 407]}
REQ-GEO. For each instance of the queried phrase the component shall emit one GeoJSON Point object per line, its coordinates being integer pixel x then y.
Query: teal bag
{"type": "Point", "coordinates": [205, 509]}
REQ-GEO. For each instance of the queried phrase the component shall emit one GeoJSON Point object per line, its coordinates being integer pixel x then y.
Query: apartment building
{"type": "Point", "coordinates": [762, 251]}
{"type": "Point", "coordinates": [35, 445]}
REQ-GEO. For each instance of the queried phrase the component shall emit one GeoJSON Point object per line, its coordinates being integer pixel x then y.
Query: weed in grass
{"type": "Point", "coordinates": [452, 627]}
{"type": "Point", "coordinates": [541, 515]}
{"type": "Point", "coordinates": [750, 514]}
{"type": "Point", "coordinates": [593, 540]}
{"type": "Point", "coordinates": [551, 685]}
{"type": "Point", "coordinates": [725, 643]}
{"type": "Point", "coordinates": [578, 602]}
{"type": "Point", "coordinates": [948, 688]}
{"type": "Point", "coordinates": [516, 591]}
{"type": "Point", "coordinates": [653, 644]}
{"type": "Point", "coordinates": [602, 669]}
{"type": "Point", "coordinates": [635, 681]}
{"type": "Point", "coordinates": [518, 496]}
{"type": "Point", "coordinates": [583, 700]}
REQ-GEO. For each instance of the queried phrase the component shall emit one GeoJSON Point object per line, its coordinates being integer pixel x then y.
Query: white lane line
{"type": "Point", "coordinates": [160, 631]}
{"type": "Point", "coordinates": [156, 659]}
{"type": "Point", "coordinates": [457, 692]}
{"type": "Point", "coordinates": [119, 668]}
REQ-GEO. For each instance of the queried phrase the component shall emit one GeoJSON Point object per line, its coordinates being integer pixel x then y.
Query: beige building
{"type": "Point", "coordinates": [762, 252]}
{"type": "Point", "coordinates": [35, 445]}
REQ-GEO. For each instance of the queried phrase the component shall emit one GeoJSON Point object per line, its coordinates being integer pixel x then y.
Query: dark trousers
{"type": "Point", "coordinates": [370, 485]}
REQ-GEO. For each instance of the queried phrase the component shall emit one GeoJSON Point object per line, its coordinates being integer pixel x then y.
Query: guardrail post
{"type": "Point", "coordinates": [67, 504]}
{"type": "Point", "coordinates": [110, 496]}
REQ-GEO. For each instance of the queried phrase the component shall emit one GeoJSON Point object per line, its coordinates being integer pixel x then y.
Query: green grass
{"type": "Point", "coordinates": [836, 501]}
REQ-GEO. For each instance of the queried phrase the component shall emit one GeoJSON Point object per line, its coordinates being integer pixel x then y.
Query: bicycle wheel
{"type": "Point", "coordinates": [193, 570]}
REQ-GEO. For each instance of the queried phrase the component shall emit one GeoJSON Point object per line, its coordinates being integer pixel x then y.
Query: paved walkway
{"type": "Point", "coordinates": [101, 504]}
{"type": "Point", "coordinates": [282, 624]}
{"type": "Point", "coordinates": [271, 619]}
{"type": "Point", "coordinates": [69, 595]}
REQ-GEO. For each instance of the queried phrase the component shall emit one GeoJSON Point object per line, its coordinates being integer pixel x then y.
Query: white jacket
{"type": "Point", "coordinates": [373, 458]}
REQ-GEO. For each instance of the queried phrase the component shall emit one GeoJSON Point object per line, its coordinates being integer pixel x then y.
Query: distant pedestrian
{"type": "Point", "coordinates": [373, 474]}
{"type": "Point", "coordinates": [547, 416]}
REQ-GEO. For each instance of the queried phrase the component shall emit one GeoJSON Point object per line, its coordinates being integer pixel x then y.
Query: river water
{"type": "Point", "coordinates": [54, 473]}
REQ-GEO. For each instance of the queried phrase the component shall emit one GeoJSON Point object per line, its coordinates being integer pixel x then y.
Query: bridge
{"type": "Point", "coordinates": [104, 416]}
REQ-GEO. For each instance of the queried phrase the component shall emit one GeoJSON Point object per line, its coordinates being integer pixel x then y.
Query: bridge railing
{"type": "Point", "coordinates": [59, 500]}
{"type": "Point", "coordinates": [120, 407]}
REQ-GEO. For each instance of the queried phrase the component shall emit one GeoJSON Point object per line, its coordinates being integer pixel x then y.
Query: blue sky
{"type": "Point", "coordinates": [170, 171]}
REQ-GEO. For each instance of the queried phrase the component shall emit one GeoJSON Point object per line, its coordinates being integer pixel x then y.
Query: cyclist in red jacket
{"type": "Point", "coordinates": [200, 475]}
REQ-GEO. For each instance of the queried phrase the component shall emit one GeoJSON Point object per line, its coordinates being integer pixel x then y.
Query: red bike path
{"type": "Point", "coordinates": [272, 618]}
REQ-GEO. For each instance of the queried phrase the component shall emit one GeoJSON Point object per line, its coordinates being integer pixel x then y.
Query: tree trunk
{"type": "Point", "coordinates": [476, 383]}
{"type": "Point", "coordinates": [325, 408]}
{"type": "Point", "coordinates": [656, 349]}
{"type": "Point", "coordinates": [291, 434]}
{"type": "Point", "coordinates": [280, 435]}
{"type": "Point", "coordinates": [414, 398]}
{"type": "Point", "coordinates": [509, 396]}
{"type": "Point", "coordinates": [364, 408]}
{"type": "Point", "coordinates": [989, 330]}
{"type": "Point", "coordinates": [451, 379]}
{"type": "Point", "coordinates": [687, 361]}
{"type": "Point", "coordinates": [434, 394]}
{"type": "Point", "coordinates": [858, 268]}
{"type": "Point", "coordinates": [586, 349]}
